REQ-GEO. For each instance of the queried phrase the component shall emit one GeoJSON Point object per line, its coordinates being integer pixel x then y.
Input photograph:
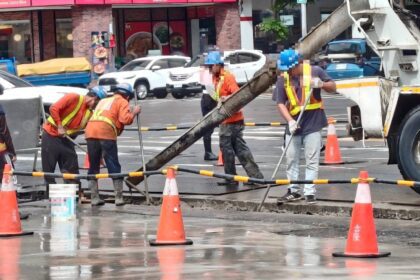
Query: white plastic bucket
{"type": "Point", "coordinates": [63, 201]}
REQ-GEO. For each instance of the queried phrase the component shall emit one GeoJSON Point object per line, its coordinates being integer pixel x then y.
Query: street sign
{"type": "Point", "coordinates": [301, 1]}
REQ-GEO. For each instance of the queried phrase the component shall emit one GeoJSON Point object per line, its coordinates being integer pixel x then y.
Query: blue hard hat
{"type": "Point", "coordinates": [99, 91]}
{"type": "Point", "coordinates": [288, 59]}
{"type": "Point", "coordinates": [125, 89]}
{"type": "Point", "coordinates": [214, 57]}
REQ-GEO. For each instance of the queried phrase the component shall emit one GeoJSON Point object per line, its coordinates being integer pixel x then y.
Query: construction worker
{"type": "Point", "coordinates": [68, 117]}
{"type": "Point", "coordinates": [231, 140]}
{"type": "Point", "coordinates": [299, 80]}
{"type": "Point", "coordinates": [107, 122]}
{"type": "Point", "coordinates": [207, 105]}
{"type": "Point", "coordinates": [6, 144]}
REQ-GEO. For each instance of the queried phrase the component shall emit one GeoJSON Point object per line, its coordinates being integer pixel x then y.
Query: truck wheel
{"type": "Point", "coordinates": [141, 90]}
{"type": "Point", "coordinates": [178, 95]}
{"type": "Point", "coordinates": [161, 94]}
{"type": "Point", "coordinates": [409, 147]}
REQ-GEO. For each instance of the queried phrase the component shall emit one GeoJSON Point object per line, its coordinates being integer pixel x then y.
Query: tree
{"type": "Point", "coordinates": [274, 25]}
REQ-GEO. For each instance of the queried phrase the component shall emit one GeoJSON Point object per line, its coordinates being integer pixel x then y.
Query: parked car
{"type": "Point", "coordinates": [351, 58]}
{"type": "Point", "coordinates": [14, 86]}
{"type": "Point", "coordinates": [147, 75]}
{"type": "Point", "coordinates": [185, 81]}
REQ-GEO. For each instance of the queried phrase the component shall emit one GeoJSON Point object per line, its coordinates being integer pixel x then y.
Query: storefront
{"type": "Point", "coordinates": [36, 30]}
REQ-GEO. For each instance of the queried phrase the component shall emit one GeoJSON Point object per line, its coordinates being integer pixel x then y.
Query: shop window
{"type": "Point", "coordinates": [159, 14]}
{"type": "Point", "coordinates": [15, 40]}
{"type": "Point", "coordinates": [177, 14]}
{"type": "Point", "coordinates": [64, 37]}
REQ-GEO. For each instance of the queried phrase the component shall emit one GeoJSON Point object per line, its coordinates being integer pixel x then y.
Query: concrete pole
{"type": "Point", "coordinates": [247, 29]}
{"type": "Point", "coordinates": [303, 19]}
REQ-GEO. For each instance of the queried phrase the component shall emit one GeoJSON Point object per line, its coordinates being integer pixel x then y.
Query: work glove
{"type": "Point", "coordinates": [317, 83]}
{"type": "Point", "coordinates": [293, 126]}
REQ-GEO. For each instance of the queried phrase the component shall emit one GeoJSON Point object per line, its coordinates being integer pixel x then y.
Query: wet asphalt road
{"type": "Point", "coordinates": [108, 243]}
{"type": "Point", "coordinates": [265, 143]}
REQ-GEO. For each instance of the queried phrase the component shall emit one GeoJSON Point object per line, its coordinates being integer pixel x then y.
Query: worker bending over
{"type": "Point", "coordinates": [299, 80]}
{"type": "Point", "coordinates": [231, 130]}
{"type": "Point", "coordinates": [107, 122]}
{"type": "Point", "coordinates": [6, 144]}
{"type": "Point", "coordinates": [68, 117]}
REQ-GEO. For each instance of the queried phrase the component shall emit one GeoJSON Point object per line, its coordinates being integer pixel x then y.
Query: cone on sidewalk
{"type": "Point", "coordinates": [171, 227]}
{"type": "Point", "coordinates": [220, 159]}
{"type": "Point", "coordinates": [9, 212]}
{"type": "Point", "coordinates": [361, 239]}
{"type": "Point", "coordinates": [332, 149]}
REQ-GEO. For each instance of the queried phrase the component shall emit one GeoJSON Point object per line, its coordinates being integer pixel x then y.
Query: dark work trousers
{"type": "Point", "coordinates": [107, 149]}
{"type": "Point", "coordinates": [232, 143]}
{"type": "Point", "coordinates": [58, 150]}
{"type": "Point", "coordinates": [207, 105]}
{"type": "Point", "coordinates": [2, 163]}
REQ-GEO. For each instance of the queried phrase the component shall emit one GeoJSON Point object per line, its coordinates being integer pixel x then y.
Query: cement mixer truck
{"type": "Point", "coordinates": [387, 107]}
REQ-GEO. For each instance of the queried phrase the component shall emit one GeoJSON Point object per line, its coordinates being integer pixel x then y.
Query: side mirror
{"type": "Point", "coordinates": [1, 89]}
{"type": "Point", "coordinates": [155, 67]}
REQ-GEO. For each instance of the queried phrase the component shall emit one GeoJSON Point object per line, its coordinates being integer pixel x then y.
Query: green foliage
{"type": "Point", "coordinates": [275, 26]}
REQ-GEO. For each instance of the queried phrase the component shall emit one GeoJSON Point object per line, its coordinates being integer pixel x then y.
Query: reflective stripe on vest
{"type": "Point", "coordinates": [296, 105]}
{"type": "Point", "coordinates": [104, 105]}
{"type": "Point", "coordinates": [216, 95]}
{"type": "Point", "coordinates": [67, 119]}
{"type": "Point", "coordinates": [3, 147]}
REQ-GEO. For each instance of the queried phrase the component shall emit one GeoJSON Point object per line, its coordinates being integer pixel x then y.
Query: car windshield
{"type": "Point", "coordinates": [135, 65]}
{"type": "Point", "coordinates": [197, 61]}
{"type": "Point", "coordinates": [17, 82]}
{"type": "Point", "coordinates": [340, 48]}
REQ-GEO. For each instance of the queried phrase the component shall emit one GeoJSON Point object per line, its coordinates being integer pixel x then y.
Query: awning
{"type": "Point", "coordinates": [42, 3]}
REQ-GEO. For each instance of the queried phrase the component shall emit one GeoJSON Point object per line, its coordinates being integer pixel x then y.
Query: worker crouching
{"type": "Point", "coordinates": [107, 122]}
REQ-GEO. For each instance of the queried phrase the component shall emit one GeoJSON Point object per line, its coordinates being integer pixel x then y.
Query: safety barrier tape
{"type": "Point", "coordinates": [208, 173]}
{"type": "Point", "coordinates": [181, 127]}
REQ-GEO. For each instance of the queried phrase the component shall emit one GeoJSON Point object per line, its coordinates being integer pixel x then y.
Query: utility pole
{"type": "Point", "coordinates": [303, 16]}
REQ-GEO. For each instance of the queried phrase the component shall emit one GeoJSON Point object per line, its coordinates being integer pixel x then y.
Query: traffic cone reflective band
{"type": "Point", "coordinates": [9, 212]}
{"type": "Point", "coordinates": [220, 159]}
{"type": "Point", "coordinates": [171, 227]}
{"type": "Point", "coordinates": [332, 149]}
{"type": "Point", "coordinates": [361, 239]}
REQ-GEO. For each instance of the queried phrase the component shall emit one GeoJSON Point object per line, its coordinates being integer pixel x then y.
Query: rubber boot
{"type": "Point", "coordinates": [118, 187]}
{"type": "Point", "coordinates": [95, 200]}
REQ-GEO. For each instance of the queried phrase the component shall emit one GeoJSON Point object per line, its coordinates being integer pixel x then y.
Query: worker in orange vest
{"type": "Point", "coordinates": [231, 130]}
{"type": "Point", "coordinates": [68, 116]}
{"type": "Point", "coordinates": [107, 122]}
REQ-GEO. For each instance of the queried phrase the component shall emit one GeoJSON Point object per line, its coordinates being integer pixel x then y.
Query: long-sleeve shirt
{"type": "Point", "coordinates": [5, 137]}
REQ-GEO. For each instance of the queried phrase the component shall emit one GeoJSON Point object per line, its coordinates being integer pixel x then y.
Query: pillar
{"type": "Point", "coordinates": [227, 26]}
{"type": "Point", "coordinates": [247, 29]}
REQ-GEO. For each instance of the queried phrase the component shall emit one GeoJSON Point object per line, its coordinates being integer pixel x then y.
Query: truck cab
{"type": "Point", "coordinates": [351, 58]}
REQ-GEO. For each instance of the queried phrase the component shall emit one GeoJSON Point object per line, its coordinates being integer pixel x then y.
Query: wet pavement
{"type": "Point", "coordinates": [113, 244]}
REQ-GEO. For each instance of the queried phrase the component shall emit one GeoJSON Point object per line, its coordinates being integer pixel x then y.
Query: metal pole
{"type": "Point", "coordinates": [303, 19]}
{"type": "Point", "coordinates": [146, 185]}
{"type": "Point", "coordinates": [284, 152]}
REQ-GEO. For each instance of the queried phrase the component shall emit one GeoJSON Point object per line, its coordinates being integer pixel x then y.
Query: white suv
{"type": "Point", "coordinates": [185, 81]}
{"type": "Point", "coordinates": [147, 75]}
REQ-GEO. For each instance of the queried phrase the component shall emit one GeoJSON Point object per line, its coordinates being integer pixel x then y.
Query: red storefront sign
{"type": "Point", "coordinates": [52, 2]}
{"type": "Point", "coordinates": [14, 3]}
{"type": "Point", "coordinates": [158, 1]}
{"type": "Point", "coordinates": [118, 1]}
{"type": "Point", "coordinates": [89, 2]}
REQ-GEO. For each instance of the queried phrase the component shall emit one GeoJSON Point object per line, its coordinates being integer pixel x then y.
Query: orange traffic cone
{"type": "Point", "coordinates": [171, 261]}
{"type": "Point", "coordinates": [220, 159]}
{"type": "Point", "coordinates": [9, 212]}
{"type": "Point", "coordinates": [171, 227]}
{"type": "Point", "coordinates": [86, 163]}
{"type": "Point", "coordinates": [332, 149]}
{"type": "Point", "coordinates": [361, 239]}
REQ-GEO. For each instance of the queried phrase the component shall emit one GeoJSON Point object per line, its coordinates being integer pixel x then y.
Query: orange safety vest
{"type": "Point", "coordinates": [216, 95]}
{"type": "Point", "coordinates": [3, 147]}
{"type": "Point", "coordinates": [103, 106]}
{"type": "Point", "coordinates": [67, 119]}
{"type": "Point", "coordinates": [296, 105]}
